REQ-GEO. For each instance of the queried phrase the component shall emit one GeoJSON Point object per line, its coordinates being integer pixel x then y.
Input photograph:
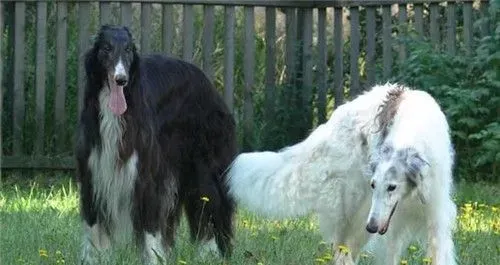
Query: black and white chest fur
{"type": "Point", "coordinates": [113, 180]}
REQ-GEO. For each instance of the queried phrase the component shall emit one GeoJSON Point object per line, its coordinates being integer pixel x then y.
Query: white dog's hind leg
{"type": "Point", "coordinates": [208, 248]}
{"type": "Point", "coordinates": [154, 249]}
{"type": "Point", "coordinates": [95, 241]}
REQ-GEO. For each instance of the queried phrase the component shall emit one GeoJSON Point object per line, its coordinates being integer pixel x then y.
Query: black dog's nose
{"type": "Point", "coordinates": [121, 80]}
{"type": "Point", "coordinates": [372, 226]}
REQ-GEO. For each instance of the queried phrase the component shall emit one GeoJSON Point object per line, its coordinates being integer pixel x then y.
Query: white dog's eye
{"type": "Point", "coordinates": [391, 187]}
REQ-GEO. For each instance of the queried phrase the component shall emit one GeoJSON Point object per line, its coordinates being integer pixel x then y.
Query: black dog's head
{"type": "Point", "coordinates": [111, 62]}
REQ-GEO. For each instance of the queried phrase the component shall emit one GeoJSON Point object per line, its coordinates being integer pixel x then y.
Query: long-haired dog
{"type": "Point", "coordinates": [154, 136]}
{"type": "Point", "coordinates": [383, 158]}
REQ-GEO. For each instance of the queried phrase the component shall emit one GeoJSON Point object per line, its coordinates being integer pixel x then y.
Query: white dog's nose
{"type": "Point", "coordinates": [372, 226]}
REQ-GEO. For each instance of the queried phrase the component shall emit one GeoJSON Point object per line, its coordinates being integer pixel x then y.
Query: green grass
{"type": "Point", "coordinates": [39, 224]}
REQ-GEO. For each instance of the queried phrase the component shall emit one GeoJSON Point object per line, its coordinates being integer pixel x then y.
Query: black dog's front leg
{"type": "Point", "coordinates": [95, 236]}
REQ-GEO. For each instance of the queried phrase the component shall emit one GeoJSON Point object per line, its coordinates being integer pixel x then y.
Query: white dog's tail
{"type": "Point", "coordinates": [263, 182]}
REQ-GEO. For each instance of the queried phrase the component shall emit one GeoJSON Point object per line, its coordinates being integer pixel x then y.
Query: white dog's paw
{"type": "Point", "coordinates": [343, 258]}
{"type": "Point", "coordinates": [208, 248]}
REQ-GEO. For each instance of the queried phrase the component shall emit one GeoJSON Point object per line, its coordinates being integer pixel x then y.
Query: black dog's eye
{"type": "Point", "coordinates": [391, 187]}
{"type": "Point", "coordinates": [107, 48]}
{"type": "Point", "coordinates": [128, 49]}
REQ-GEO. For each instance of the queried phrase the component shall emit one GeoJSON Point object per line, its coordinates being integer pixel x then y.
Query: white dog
{"type": "Point", "coordinates": [400, 137]}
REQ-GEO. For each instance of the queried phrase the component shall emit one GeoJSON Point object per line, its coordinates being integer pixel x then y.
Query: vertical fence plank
{"type": "Point", "coordinates": [270, 79]}
{"type": "Point", "coordinates": [403, 20]}
{"type": "Point", "coordinates": [354, 53]}
{"type": "Point", "coordinates": [338, 44]}
{"type": "Point", "coordinates": [485, 25]}
{"type": "Point", "coordinates": [229, 24]}
{"type": "Point", "coordinates": [61, 56]}
{"type": "Point", "coordinates": [419, 19]}
{"type": "Point", "coordinates": [208, 40]}
{"type": "Point", "coordinates": [451, 26]}
{"type": "Point", "coordinates": [188, 33]}
{"type": "Point", "coordinates": [248, 71]}
{"type": "Point", "coordinates": [1, 83]}
{"type": "Point", "coordinates": [105, 13]}
{"type": "Point", "coordinates": [387, 41]}
{"type": "Point", "coordinates": [167, 28]}
{"type": "Point", "coordinates": [145, 27]}
{"type": "Point", "coordinates": [307, 66]}
{"type": "Point", "coordinates": [434, 25]}
{"type": "Point", "coordinates": [126, 14]}
{"type": "Point", "coordinates": [19, 68]}
{"type": "Point", "coordinates": [41, 50]}
{"type": "Point", "coordinates": [322, 67]}
{"type": "Point", "coordinates": [370, 45]}
{"type": "Point", "coordinates": [290, 45]}
{"type": "Point", "coordinates": [83, 44]}
{"type": "Point", "coordinates": [468, 27]}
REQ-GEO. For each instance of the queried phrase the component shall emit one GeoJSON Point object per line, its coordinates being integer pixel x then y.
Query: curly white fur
{"type": "Point", "coordinates": [326, 174]}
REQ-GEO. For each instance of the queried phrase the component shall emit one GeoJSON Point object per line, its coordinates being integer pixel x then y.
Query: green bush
{"type": "Point", "coordinates": [468, 89]}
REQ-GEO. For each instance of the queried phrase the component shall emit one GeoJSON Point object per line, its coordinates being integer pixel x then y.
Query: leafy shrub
{"type": "Point", "coordinates": [468, 89]}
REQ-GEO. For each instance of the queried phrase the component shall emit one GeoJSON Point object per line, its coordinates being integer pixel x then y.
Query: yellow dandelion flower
{"type": "Point", "coordinates": [205, 199]}
{"type": "Point", "coordinates": [183, 262]}
{"type": "Point", "coordinates": [404, 262]}
{"type": "Point", "coordinates": [494, 209]}
{"type": "Point", "coordinates": [427, 260]}
{"type": "Point", "coordinates": [364, 255]}
{"type": "Point", "coordinates": [412, 248]}
{"type": "Point", "coordinates": [327, 257]}
{"type": "Point", "coordinates": [344, 249]}
{"type": "Point", "coordinates": [320, 260]}
{"type": "Point", "coordinates": [274, 238]}
{"type": "Point", "coordinates": [260, 263]}
{"type": "Point", "coordinates": [58, 252]}
{"type": "Point", "coordinates": [43, 253]}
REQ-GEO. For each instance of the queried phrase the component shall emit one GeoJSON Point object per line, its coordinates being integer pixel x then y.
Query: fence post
{"type": "Point", "coordinates": [208, 41]}
{"type": "Point", "coordinates": [41, 50]}
{"type": "Point", "coordinates": [322, 66]}
{"type": "Point", "coordinates": [187, 33]}
{"type": "Point", "coordinates": [354, 52]}
{"type": "Point", "coordinates": [19, 68]}
{"type": "Point", "coordinates": [61, 84]}
{"type": "Point", "coordinates": [370, 45]}
{"type": "Point", "coordinates": [270, 79]}
{"type": "Point", "coordinates": [248, 71]}
{"type": "Point", "coordinates": [229, 24]}
{"type": "Point", "coordinates": [338, 44]}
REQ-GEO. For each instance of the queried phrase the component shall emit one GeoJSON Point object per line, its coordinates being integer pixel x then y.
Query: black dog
{"type": "Point", "coordinates": [154, 135]}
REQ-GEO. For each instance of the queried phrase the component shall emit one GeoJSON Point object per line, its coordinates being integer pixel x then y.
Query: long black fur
{"type": "Point", "coordinates": [184, 136]}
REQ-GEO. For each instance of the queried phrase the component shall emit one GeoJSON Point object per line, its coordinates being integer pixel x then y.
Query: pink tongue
{"type": "Point", "coordinates": [117, 102]}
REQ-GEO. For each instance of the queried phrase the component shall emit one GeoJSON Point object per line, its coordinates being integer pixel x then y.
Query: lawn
{"type": "Point", "coordinates": [39, 224]}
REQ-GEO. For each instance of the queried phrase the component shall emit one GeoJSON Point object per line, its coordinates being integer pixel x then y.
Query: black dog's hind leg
{"type": "Point", "coordinates": [209, 212]}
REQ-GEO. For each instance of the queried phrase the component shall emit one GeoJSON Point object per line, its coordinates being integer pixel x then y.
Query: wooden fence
{"type": "Point", "coordinates": [41, 68]}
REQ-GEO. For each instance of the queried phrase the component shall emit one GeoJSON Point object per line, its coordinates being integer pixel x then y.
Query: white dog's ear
{"type": "Point", "coordinates": [414, 164]}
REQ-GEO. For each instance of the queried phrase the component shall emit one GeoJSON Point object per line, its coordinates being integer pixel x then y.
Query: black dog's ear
{"type": "Point", "coordinates": [414, 164]}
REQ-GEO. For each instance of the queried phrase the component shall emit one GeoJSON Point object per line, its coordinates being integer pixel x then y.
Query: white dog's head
{"type": "Point", "coordinates": [396, 173]}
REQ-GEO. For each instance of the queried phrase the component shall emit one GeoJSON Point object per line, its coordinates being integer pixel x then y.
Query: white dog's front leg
{"type": "Point", "coordinates": [441, 248]}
